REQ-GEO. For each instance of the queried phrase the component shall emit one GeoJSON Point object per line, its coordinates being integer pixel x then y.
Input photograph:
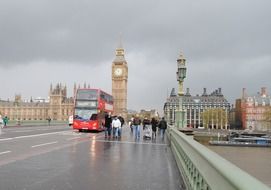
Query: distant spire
{"type": "Point", "coordinates": [74, 89]}
{"type": "Point", "coordinates": [120, 46]}
{"type": "Point", "coordinates": [65, 90]}
{"type": "Point", "coordinates": [119, 53]}
{"type": "Point", "coordinates": [243, 93]}
{"type": "Point", "coordinates": [51, 88]}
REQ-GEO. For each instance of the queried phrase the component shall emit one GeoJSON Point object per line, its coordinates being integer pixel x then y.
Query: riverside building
{"type": "Point", "coordinates": [252, 110]}
{"type": "Point", "coordinates": [194, 106]}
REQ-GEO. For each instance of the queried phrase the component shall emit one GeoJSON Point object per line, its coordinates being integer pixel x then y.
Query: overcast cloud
{"type": "Point", "coordinates": [226, 43]}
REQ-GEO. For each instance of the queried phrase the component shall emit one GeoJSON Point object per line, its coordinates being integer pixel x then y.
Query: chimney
{"type": "Point", "coordinates": [219, 91]}
{"type": "Point", "coordinates": [187, 92]}
{"type": "Point", "coordinates": [263, 92]}
{"type": "Point", "coordinates": [204, 92]}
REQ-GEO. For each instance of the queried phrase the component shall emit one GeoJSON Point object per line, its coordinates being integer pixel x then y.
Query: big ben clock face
{"type": "Point", "coordinates": [118, 71]}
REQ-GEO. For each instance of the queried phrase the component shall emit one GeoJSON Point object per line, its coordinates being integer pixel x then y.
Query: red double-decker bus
{"type": "Point", "coordinates": [90, 108]}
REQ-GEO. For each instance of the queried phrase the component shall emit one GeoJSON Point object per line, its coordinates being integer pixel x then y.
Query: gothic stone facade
{"type": "Point", "coordinates": [119, 83]}
{"type": "Point", "coordinates": [59, 107]}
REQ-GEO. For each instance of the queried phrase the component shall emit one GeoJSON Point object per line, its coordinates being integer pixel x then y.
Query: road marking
{"type": "Point", "coordinates": [26, 136]}
{"type": "Point", "coordinates": [37, 135]}
{"type": "Point", "coordinates": [5, 152]}
{"type": "Point", "coordinates": [6, 139]}
{"type": "Point", "coordinates": [44, 144]}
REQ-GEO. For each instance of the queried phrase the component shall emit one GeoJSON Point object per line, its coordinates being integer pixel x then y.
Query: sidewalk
{"type": "Point", "coordinates": [138, 164]}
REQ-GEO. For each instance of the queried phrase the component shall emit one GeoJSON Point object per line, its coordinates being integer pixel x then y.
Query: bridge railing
{"type": "Point", "coordinates": [203, 169]}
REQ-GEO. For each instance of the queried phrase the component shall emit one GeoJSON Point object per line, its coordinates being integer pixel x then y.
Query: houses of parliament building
{"type": "Point", "coordinates": [58, 107]}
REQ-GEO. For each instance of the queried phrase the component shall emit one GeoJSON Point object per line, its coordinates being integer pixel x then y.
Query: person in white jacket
{"type": "Point", "coordinates": [116, 124]}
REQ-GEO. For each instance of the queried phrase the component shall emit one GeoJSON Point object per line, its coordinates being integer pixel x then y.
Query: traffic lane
{"type": "Point", "coordinates": [96, 164]}
{"type": "Point", "coordinates": [13, 132]}
{"type": "Point", "coordinates": [22, 147]}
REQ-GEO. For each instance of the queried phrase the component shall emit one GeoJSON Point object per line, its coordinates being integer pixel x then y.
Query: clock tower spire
{"type": "Point", "coordinates": [119, 82]}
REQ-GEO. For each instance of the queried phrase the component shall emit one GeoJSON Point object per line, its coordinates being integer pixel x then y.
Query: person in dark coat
{"type": "Point", "coordinates": [122, 123]}
{"type": "Point", "coordinates": [154, 124]}
{"type": "Point", "coordinates": [163, 127]}
{"type": "Point", "coordinates": [107, 124]}
{"type": "Point", "coordinates": [136, 124]}
{"type": "Point", "coordinates": [145, 122]}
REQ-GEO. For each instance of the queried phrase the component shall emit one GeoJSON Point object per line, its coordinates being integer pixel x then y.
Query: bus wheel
{"type": "Point", "coordinates": [80, 130]}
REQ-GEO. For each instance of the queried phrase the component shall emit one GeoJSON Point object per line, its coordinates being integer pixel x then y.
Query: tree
{"type": "Point", "coordinates": [215, 117]}
{"type": "Point", "coordinates": [267, 118]}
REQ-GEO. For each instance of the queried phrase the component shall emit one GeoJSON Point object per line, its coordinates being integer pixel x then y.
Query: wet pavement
{"type": "Point", "coordinates": [90, 161]}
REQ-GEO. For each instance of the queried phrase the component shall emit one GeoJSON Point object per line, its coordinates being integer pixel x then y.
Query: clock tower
{"type": "Point", "coordinates": [119, 82]}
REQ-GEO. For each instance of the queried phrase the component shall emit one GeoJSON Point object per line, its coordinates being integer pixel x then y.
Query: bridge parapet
{"type": "Point", "coordinates": [203, 169]}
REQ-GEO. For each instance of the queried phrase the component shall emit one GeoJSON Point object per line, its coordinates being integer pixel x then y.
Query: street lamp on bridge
{"type": "Point", "coordinates": [181, 75]}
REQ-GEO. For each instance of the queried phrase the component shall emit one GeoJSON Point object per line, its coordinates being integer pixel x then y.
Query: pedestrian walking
{"type": "Point", "coordinates": [122, 123]}
{"type": "Point", "coordinates": [136, 124]}
{"type": "Point", "coordinates": [116, 124]}
{"type": "Point", "coordinates": [154, 124]}
{"type": "Point", "coordinates": [145, 122]}
{"type": "Point", "coordinates": [5, 120]}
{"type": "Point", "coordinates": [130, 123]}
{"type": "Point", "coordinates": [49, 120]}
{"type": "Point", "coordinates": [108, 125]}
{"type": "Point", "coordinates": [1, 122]}
{"type": "Point", "coordinates": [163, 126]}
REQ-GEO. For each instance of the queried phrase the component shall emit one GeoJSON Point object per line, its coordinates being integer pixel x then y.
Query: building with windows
{"type": "Point", "coordinates": [194, 106]}
{"type": "Point", "coordinates": [149, 114]}
{"type": "Point", "coordinates": [251, 110]}
{"type": "Point", "coordinates": [58, 107]}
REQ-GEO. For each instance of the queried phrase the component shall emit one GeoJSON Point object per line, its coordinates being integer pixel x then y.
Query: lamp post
{"type": "Point", "coordinates": [181, 75]}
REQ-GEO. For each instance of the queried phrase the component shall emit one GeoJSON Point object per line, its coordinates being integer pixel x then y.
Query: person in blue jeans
{"type": "Point", "coordinates": [163, 126]}
{"type": "Point", "coordinates": [116, 124]}
{"type": "Point", "coordinates": [136, 124]}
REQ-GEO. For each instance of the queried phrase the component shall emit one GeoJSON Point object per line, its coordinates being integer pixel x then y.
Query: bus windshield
{"type": "Point", "coordinates": [87, 94]}
{"type": "Point", "coordinates": [85, 114]}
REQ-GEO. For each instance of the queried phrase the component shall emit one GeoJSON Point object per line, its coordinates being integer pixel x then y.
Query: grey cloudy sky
{"type": "Point", "coordinates": [226, 43]}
